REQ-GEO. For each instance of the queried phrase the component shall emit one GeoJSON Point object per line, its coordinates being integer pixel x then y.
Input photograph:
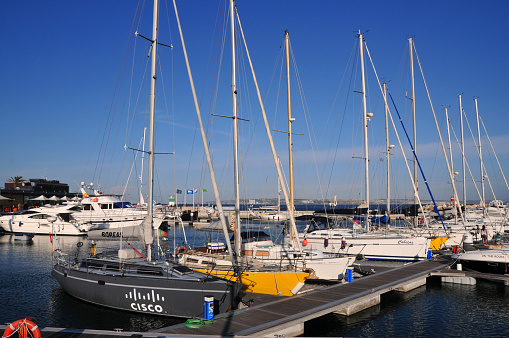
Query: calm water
{"type": "Point", "coordinates": [445, 310]}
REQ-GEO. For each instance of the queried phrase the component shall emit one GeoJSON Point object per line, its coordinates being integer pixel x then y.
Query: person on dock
{"type": "Point", "coordinates": [484, 235]}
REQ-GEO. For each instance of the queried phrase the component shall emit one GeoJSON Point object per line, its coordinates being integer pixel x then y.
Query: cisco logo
{"type": "Point", "coordinates": [145, 301]}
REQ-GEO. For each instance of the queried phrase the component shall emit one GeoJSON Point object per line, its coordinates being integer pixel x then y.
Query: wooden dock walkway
{"type": "Point", "coordinates": [286, 316]}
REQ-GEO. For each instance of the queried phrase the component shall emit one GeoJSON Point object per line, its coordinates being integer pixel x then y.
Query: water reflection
{"type": "Point", "coordinates": [445, 310]}
{"type": "Point", "coordinates": [29, 290]}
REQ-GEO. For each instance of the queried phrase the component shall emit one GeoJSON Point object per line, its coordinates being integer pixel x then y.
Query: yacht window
{"type": "Point", "coordinates": [87, 207]}
{"type": "Point", "coordinates": [39, 216]}
{"type": "Point", "coordinates": [66, 217]}
{"type": "Point", "coordinates": [104, 206]}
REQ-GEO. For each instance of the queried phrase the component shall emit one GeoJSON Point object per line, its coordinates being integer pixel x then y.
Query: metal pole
{"type": "Point", "coordinates": [150, 204]}
{"type": "Point", "coordinates": [452, 166]}
{"type": "Point", "coordinates": [290, 120]}
{"type": "Point", "coordinates": [387, 146]}
{"type": "Point", "coordinates": [236, 182]}
{"type": "Point", "coordinates": [463, 155]}
{"type": "Point", "coordinates": [483, 201]}
{"type": "Point", "coordinates": [410, 45]}
{"type": "Point", "coordinates": [365, 122]}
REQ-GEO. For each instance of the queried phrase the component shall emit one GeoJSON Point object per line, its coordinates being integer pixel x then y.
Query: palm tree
{"type": "Point", "coordinates": [16, 179]}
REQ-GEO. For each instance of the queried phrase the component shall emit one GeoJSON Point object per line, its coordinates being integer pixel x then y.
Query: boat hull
{"type": "Point", "coordinates": [281, 283]}
{"type": "Point", "coordinates": [157, 296]}
{"type": "Point", "coordinates": [377, 248]}
{"type": "Point", "coordinates": [487, 261]}
{"type": "Point", "coordinates": [17, 224]}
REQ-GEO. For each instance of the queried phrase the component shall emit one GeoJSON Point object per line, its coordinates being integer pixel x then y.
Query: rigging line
{"type": "Point", "coordinates": [204, 139]}
{"type": "Point", "coordinates": [305, 108]}
{"type": "Point", "coordinates": [400, 144]}
{"type": "Point", "coordinates": [484, 173]}
{"type": "Point", "coordinates": [129, 127]}
{"type": "Point", "coordinates": [276, 63]}
{"type": "Point", "coordinates": [418, 163]}
{"type": "Point", "coordinates": [351, 61]}
{"type": "Point", "coordinates": [466, 163]}
{"type": "Point", "coordinates": [451, 176]}
{"type": "Point", "coordinates": [497, 184]}
{"type": "Point", "coordinates": [492, 148]}
{"type": "Point", "coordinates": [436, 152]}
{"type": "Point", "coordinates": [217, 68]}
{"type": "Point", "coordinates": [269, 135]}
{"type": "Point", "coordinates": [113, 110]}
{"type": "Point", "coordinates": [135, 19]}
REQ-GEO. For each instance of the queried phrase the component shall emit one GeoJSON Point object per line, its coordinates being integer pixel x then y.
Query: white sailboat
{"type": "Point", "coordinates": [372, 245]}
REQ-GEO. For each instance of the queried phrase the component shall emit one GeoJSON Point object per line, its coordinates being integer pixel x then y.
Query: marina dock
{"type": "Point", "coordinates": [285, 316]}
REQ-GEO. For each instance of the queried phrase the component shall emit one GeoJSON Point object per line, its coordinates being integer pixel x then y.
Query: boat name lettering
{"type": "Point", "coordinates": [111, 234]}
{"type": "Point", "coordinates": [145, 307]}
{"type": "Point", "coordinates": [405, 241]}
{"type": "Point", "coordinates": [492, 256]}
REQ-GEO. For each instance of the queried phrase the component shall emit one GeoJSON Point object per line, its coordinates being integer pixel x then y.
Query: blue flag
{"type": "Point", "coordinates": [189, 191]}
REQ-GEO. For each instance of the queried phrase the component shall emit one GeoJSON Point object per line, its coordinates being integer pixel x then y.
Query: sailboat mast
{"type": "Point", "coordinates": [448, 123]}
{"type": "Point", "coordinates": [388, 149]}
{"type": "Point", "coordinates": [290, 119]}
{"type": "Point", "coordinates": [236, 182]}
{"type": "Point", "coordinates": [411, 48]}
{"type": "Point", "coordinates": [150, 204]}
{"type": "Point", "coordinates": [483, 201]}
{"type": "Point", "coordinates": [365, 123]}
{"type": "Point", "coordinates": [213, 180]}
{"type": "Point", "coordinates": [463, 155]}
{"type": "Point", "coordinates": [142, 200]}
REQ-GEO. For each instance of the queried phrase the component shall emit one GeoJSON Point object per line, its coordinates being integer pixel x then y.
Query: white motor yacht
{"type": "Point", "coordinates": [43, 221]}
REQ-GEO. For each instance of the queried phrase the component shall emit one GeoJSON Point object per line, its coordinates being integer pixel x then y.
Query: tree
{"type": "Point", "coordinates": [16, 179]}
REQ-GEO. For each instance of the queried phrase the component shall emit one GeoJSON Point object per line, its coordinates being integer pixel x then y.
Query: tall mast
{"type": "Point", "coordinates": [142, 200]}
{"type": "Point", "coordinates": [290, 119]}
{"type": "Point", "coordinates": [411, 48]}
{"type": "Point", "coordinates": [388, 149]}
{"type": "Point", "coordinates": [463, 155]}
{"type": "Point", "coordinates": [150, 203]}
{"type": "Point", "coordinates": [365, 122]}
{"type": "Point", "coordinates": [450, 157]}
{"type": "Point", "coordinates": [483, 201]}
{"type": "Point", "coordinates": [213, 180]}
{"type": "Point", "coordinates": [236, 183]}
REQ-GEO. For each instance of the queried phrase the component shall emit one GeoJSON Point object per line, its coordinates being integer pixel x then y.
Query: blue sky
{"type": "Point", "coordinates": [70, 99]}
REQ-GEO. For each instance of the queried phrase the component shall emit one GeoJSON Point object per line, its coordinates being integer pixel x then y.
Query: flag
{"type": "Point", "coordinates": [195, 191]}
{"type": "Point", "coordinates": [204, 190]}
{"type": "Point", "coordinates": [189, 191]}
{"type": "Point", "coordinates": [163, 233]}
{"type": "Point", "coordinates": [179, 191]}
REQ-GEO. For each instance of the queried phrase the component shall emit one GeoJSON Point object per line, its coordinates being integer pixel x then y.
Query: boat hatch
{"type": "Point", "coordinates": [183, 270]}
